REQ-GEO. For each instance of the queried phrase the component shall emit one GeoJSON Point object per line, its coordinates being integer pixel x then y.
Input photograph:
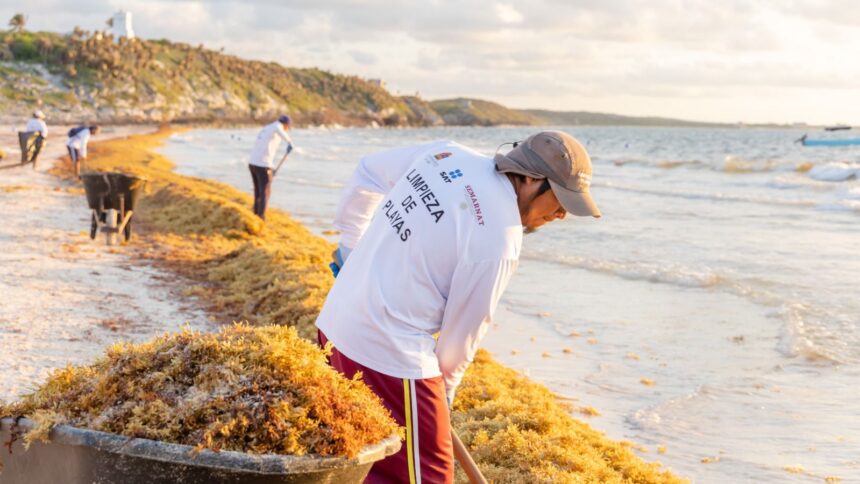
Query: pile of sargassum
{"type": "Point", "coordinates": [257, 390]}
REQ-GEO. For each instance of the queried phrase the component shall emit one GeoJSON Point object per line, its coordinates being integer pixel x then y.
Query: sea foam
{"type": "Point", "coordinates": [836, 171]}
{"type": "Point", "coordinates": [669, 274]}
{"type": "Point", "coordinates": [722, 197]}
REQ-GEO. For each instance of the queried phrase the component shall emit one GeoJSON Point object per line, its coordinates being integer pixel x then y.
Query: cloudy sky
{"type": "Point", "coordinates": [728, 60]}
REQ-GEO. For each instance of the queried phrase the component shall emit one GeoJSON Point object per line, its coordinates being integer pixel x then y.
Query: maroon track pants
{"type": "Point", "coordinates": [427, 455]}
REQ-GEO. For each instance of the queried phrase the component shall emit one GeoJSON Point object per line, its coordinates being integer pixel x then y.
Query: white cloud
{"type": "Point", "coordinates": [363, 57]}
{"type": "Point", "coordinates": [508, 14]}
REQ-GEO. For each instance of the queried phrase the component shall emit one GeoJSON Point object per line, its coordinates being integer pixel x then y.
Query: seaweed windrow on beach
{"type": "Point", "coordinates": [519, 432]}
{"type": "Point", "coordinates": [272, 273]}
{"type": "Point", "coordinates": [276, 274]}
{"type": "Point", "coordinates": [257, 390]}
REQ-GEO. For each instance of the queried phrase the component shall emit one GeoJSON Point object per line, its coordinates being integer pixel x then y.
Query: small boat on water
{"type": "Point", "coordinates": [828, 142]}
{"type": "Point", "coordinates": [838, 127]}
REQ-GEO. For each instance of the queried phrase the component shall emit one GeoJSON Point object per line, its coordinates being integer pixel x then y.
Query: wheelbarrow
{"type": "Point", "coordinates": [112, 197]}
{"type": "Point", "coordinates": [81, 456]}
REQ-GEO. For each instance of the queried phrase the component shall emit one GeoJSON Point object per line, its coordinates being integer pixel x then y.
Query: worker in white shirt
{"type": "Point", "coordinates": [261, 161]}
{"type": "Point", "coordinates": [430, 236]}
{"type": "Point", "coordinates": [77, 143]}
{"type": "Point", "coordinates": [33, 138]}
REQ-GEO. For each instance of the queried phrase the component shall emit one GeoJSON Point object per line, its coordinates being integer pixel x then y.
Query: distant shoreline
{"type": "Point", "coordinates": [87, 77]}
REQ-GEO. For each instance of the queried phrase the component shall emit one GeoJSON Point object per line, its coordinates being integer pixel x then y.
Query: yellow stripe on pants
{"type": "Point", "coordinates": [410, 456]}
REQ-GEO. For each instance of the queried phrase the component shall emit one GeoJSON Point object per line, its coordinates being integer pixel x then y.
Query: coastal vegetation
{"type": "Point", "coordinates": [18, 22]}
{"type": "Point", "coordinates": [93, 74]}
{"type": "Point", "coordinates": [470, 112]}
{"type": "Point", "coordinates": [242, 270]}
{"type": "Point", "coordinates": [89, 75]}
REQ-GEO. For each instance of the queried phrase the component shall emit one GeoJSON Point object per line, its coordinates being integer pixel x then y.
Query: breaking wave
{"type": "Point", "coordinates": [815, 334]}
{"type": "Point", "coordinates": [730, 164]}
{"type": "Point", "coordinates": [815, 342]}
{"type": "Point", "coordinates": [836, 171]}
{"type": "Point", "coordinates": [833, 171]}
{"type": "Point", "coordinates": [315, 183]}
{"type": "Point", "coordinates": [722, 197]}
{"type": "Point", "coordinates": [671, 274]}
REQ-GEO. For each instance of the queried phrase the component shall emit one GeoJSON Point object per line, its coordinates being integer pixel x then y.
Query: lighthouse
{"type": "Point", "coordinates": [121, 24]}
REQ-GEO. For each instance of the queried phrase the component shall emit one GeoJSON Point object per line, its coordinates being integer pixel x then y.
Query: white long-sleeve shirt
{"type": "Point", "coordinates": [36, 124]}
{"type": "Point", "coordinates": [267, 144]}
{"type": "Point", "coordinates": [437, 235]}
{"type": "Point", "coordinates": [80, 141]}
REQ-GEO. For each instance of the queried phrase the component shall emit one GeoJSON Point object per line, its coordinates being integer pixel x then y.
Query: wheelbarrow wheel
{"type": "Point", "coordinates": [94, 226]}
{"type": "Point", "coordinates": [126, 231]}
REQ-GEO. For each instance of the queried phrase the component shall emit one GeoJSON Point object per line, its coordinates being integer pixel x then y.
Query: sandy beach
{"type": "Point", "coordinates": [66, 297]}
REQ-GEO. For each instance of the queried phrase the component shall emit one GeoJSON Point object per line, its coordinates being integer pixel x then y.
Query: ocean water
{"type": "Point", "coordinates": [724, 274]}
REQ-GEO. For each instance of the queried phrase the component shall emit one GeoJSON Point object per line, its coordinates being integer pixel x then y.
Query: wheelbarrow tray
{"type": "Point", "coordinates": [77, 455]}
{"type": "Point", "coordinates": [105, 189]}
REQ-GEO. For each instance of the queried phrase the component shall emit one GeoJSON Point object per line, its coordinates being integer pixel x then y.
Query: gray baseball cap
{"type": "Point", "coordinates": [560, 158]}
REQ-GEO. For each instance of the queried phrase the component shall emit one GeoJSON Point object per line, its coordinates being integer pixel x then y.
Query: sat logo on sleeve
{"type": "Point", "coordinates": [449, 177]}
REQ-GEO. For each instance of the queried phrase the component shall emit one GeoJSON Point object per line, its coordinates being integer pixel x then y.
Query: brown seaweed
{"type": "Point", "coordinates": [248, 389]}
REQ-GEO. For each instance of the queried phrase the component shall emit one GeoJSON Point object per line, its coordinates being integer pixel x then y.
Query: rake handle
{"type": "Point", "coordinates": [466, 461]}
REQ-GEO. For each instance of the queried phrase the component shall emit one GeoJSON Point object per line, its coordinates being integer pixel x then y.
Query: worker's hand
{"type": "Point", "coordinates": [337, 262]}
{"type": "Point", "coordinates": [338, 257]}
{"type": "Point", "coordinates": [289, 148]}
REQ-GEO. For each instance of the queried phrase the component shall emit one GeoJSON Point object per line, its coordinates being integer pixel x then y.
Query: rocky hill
{"type": "Point", "coordinates": [90, 76]}
{"type": "Point", "coordinates": [475, 112]}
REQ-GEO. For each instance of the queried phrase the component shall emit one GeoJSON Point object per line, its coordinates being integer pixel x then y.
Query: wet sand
{"type": "Point", "coordinates": [65, 297]}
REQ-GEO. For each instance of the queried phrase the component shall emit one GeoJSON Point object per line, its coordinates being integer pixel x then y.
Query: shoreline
{"type": "Point", "coordinates": [65, 296]}
{"type": "Point", "coordinates": [203, 231]}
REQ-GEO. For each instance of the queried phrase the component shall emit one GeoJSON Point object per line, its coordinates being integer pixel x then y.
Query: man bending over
{"type": "Point", "coordinates": [431, 235]}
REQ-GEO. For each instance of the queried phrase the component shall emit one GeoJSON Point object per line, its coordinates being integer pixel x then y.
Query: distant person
{"type": "Point", "coordinates": [430, 236]}
{"type": "Point", "coordinates": [77, 145]}
{"type": "Point", "coordinates": [33, 138]}
{"type": "Point", "coordinates": [262, 169]}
